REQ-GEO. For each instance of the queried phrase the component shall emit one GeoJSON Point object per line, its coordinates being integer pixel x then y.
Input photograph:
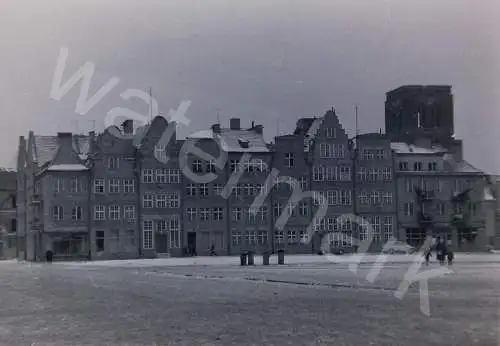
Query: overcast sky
{"type": "Point", "coordinates": [271, 61]}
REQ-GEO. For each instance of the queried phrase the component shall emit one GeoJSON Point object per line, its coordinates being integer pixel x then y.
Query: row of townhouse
{"type": "Point", "coordinates": [126, 194]}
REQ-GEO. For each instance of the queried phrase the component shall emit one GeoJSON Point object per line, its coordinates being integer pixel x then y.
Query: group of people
{"type": "Point", "coordinates": [442, 253]}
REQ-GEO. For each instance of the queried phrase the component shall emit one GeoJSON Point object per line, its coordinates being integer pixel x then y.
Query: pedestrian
{"type": "Point", "coordinates": [450, 256]}
{"type": "Point", "coordinates": [441, 251]}
{"type": "Point", "coordinates": [48, 256]}
{"type": "Point", "coordinates": [428, 255]}
{"type": "Point", "coordinates": [212, 250]}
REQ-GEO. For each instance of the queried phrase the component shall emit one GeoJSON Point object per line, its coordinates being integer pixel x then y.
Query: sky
{"type": "Point", "coordinates": [268, 61]}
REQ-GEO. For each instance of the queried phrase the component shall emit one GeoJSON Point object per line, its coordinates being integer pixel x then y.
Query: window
{"type": "Point", "coordinates": [441, 209]}
{"type": "Point", "coordinates": [147, 234]}
{"type": "Point", "coordinates": [233, 165]}
{"type": "Point", "coordinates": [279, 237]}
{"type": "Point", "coordinates": [388, 228]}
{"type": "Point", "coordinates": [388, 198]}
{"type": "Point", "coordinates": [408, 185]}
{"type": "Point", "coordinates": [387, 173]}
{"type": "Point", "coordinates": [372, 174]}
{"type": "Point", "coordinates": [113, 162]}
{"type": "Point", "coordinates": [191, 190]}
{"type": "Point", "coordinates": [363, 229]}
{"type": "Point", "coordinates": [161, 176]}
{"type": "Point", "coordinates": [99, 241]}
{"type": "Point", "coordinates": [147, 176]}
{"type": "Point", "coordinates": [129, 186]}
{"type": "Point", "coordinates": [236, 238]}
{"type": "Point", "coordinates": [217, 189]}
{"type": "Point", "coordinates": [114, 212]}
{"type": "Point", "coordinates": [99, 186]}
{"type": "Point", "coordinates": [204, 214]}
{"type": "Point", "coordinates": [196, 166]}
{"type": "Point", "coordinates": [148, 201]}
{"type": "Point", "coordinates": [339, 151]}
{"type": "Point", "coordinates": [363, 198]}
{"type": "Point", "coordinates": [251, 216]}
{"type": "Point", "coordinates": [319, 198]}
{"type": "Point", "coordinates": [318, 173]}
{"type": "Point", "coordinates": [218, 214]}
{"type": "Point", "coordinates": [380, 154]}
{"type": "Point", "coordinates": [191, 214]}
{"type": "Point", "coordinates": [331, 132]}
{"type": "Point", "coordinates": [203, 188]}
{"type": "Point", "coordinates": [292, 237]}
{"type": "Point", "coordinates": [174, 231]}
{"type": "Point", "coordinates": [74, 184]}
{"type": "Point", "coordinates": [303, 209]}
{"type": "Point", "coordinates": [362, 174]}
{"type": "Point", "coordinates": [173, 200]}
{"type": "Point", "coordinates": [99, 212]}
{"type": "Point", "coordinates": [417, 166]}
{"type": "Point", "coordinates": [403, 166]}
{"type": "Point", "coordinates": [325, 150]}
{"type": "Point", "coordinates": [345, 197]}
{"type": "Point", "coordinates": [236, 214]}
{"type": "Point", "coordinates": [278, 208]}
{"type": "Point", "coordinates": [262, 215]}
{"type": "Point", "coordinates": [409, 209]}
{"type": "Point", "coordinates": [114, 186]}
{"type": "Point", "coordinates": [289, 160]}
{"type": "Point", "coordinates": [367, 154]}
{"type": "Point", "coordinates": [211, 167]}
{"type": "Point", "coordinates": [303, 183]}
{"type": "Point", "coordinates": [58, 185]}
{"type": "Point", "coordinates": [173, 176]}
{"type": "Point", "coordinates": [76, 213]}
{"type": "Point", "coordinates": [57, 212]}
{"type": "Point", "coordinates": [376, 228]}
{"type": "Point", "coordinates": [374, 197]}
{"type": "Point", "coordinates": [345, 173]}
{"type": "Point", "coordinates": [129, 212]}
{"type": "Point", "coordinates": [432, 166]}
{"type": "Point", "coordinates": [161, 201]}
{"type": "Point", "coordinates": [252, 237]}
{"type": "Point", "coordinates": [262, 238]}
{"type": "Point", "coordinates": [161, 152]}
{"type": "Point", "coordinates": [130, 237]}
{"type": "Point", "coordinates": [332, 197]}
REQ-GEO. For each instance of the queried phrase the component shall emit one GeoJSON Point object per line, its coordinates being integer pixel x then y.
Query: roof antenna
{"type": "Point", "coordinates": [218, 117]}
{"type": "Point", "coordinates": [150, 93]}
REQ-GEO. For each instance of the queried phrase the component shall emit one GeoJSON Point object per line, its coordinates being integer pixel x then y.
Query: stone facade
{"type": "Point", "coordinates": [144, 193]}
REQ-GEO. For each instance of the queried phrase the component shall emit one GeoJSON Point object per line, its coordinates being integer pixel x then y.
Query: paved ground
{"type": "Point", "coordinates": [223, 304]}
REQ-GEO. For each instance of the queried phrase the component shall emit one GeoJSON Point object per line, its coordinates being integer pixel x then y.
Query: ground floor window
{"type": "Point", "coordinates": [415, 236]}
{"type": "Point", "coordinates": [236, 238]}
{"type": "Point", "coordinates": [70, 245]}
{"type": "Point", "coordinates": [279, 237]}
{"type": "Point", "coordinates": [99, 241]}
{"type": "Point", "coordinates": [147, 235]}
{"type": "Point", "coordinates": [175, 238]}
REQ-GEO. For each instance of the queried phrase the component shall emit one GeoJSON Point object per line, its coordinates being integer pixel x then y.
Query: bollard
{"type": "Point", "coordinates": [281, 256]}
{"type": "Point", "coordinates": [265, 258]}
{"type": "Point", "coordinates": [250, 256]}
{"type": "Point", "coordinates": [243, 259]}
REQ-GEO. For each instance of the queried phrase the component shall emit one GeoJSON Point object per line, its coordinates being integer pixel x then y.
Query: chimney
{"type": "Point", "coordinates": [216, 128]}
{"type": "Point", "coordinates": [128, 127]}
{"type": "Point", "coordinates": [234, 123]}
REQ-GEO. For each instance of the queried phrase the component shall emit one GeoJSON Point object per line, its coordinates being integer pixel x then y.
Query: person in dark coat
{"type": "Point", "coordinates": [441, 251]}
{"type": "Point", "coordinates": [428, 255]}
{"type": "Point", "coordinates": [450, 256]}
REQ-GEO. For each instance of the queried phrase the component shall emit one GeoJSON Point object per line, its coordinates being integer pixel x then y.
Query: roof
{"type": "Point", "coordinates": [235, 140]}
{"type": "Point", "coordinates": [465, 167]}
{"type": "Point", "coordinates": [404, 148]}
{"type": "Point", "coordinates": [67, 167]}
{"type": "Point", "coordinates": [46, 147]}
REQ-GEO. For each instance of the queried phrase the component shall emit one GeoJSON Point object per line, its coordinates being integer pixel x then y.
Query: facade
{"type": "Point", "coordinates": [144, 193]}
{"type": "Point", "coordinates": [375, 188]}
{"type": "Point", "coordinates": [429, 180]}
{"type": "Point", "coordinates": [8, 219]}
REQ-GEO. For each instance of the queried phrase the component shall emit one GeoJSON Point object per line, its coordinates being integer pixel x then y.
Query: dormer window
{"type": "Point", "coordinates": [243, 143]}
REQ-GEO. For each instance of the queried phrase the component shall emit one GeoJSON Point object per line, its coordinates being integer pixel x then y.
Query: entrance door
{"type": "Point", "coordinates": [191, 243]}
{"type": "Point", "coordinates": [161, 243]}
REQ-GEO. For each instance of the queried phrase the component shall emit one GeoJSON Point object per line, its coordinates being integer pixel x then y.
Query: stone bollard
{"type": "Point", "coordinates": [265, 258]}
{"type": "Point", "coordinates": [281, 256]}
{"type": "Point", "coordinates": [243, 259]}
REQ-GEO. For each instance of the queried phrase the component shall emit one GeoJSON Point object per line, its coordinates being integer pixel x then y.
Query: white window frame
{"type": "Point", "coordinates": [58, 213]}
{"type": "Point", "coordinates": [76, 213]}
{"type": "Point", "coordinates": [161, 201]}
{"type": "Point", "coordinates": [148, 200]}
{"type": "Point", "coordinates": [99, 212]}
{"type": "Point", "coordinates": [147, 235]}
{"type": "Point", "coordinates": [161, 176]}
{"type": "Point", "coordinates": [409, 208]}
{"type": "Point", "coordinates": [114, 212]}
{"type": "Point", "coordinates": [173, 176]}
{"type": "Point", "coordinates": [173, 200]}
{"type": "Point", "coordinates": [148, 176]}
{"type": "Point", "coordinates": [74, 185]}
{"type": "Point", "coordinates": [99, 186]}
{"type": "Point", "coordinates": [129, 186]}
{"type": "Point", "coordinates": [290, 159]}
{"type": "Point", "coordinates": [218, 214]}
{"type": "Point", "coordinates": [113, 162]}
{"type": "Point", "coordinates": [129, 212]}
{"type": "Point", "coordinates": [114, 185]}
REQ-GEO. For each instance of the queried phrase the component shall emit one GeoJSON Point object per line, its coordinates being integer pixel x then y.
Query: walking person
{"type": "Point", "coordinates": [450, 256]}
{"type": "Point", "coordinates": [428, 255]}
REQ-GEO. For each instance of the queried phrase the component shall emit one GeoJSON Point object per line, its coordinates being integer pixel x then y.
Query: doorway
{"type": "Point", "coordinates": [191, 243]}
{"type": "Point", "coordinates": [161, 243]}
